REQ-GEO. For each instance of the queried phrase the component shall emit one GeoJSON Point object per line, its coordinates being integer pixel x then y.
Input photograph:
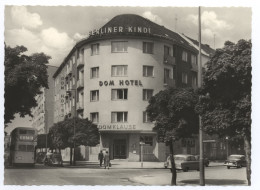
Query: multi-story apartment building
{"type": "Point", "coordinates": [110, 77]}
{"type": "Point", "coordinates": [43, 114]}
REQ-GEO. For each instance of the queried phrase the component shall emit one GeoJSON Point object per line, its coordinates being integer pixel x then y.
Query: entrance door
{"type": "Point", "coordinates": [119, 149]}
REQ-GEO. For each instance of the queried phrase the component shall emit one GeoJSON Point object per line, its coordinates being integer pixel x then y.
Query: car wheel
{"type": "Point", "coordinates": [165, 167]}
{"type": "Point", "coordinates": [228, 167]}
{"type": "Point", "coordinates": [186, 169]}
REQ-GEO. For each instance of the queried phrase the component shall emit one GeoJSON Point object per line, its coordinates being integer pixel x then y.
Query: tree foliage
{"type": "Point", "coordinates": [226, 103]}
{"type": "Point", "coordinates": [173, 111]}
{"type": "Point", "coordinates": [62, 133]}
{"type": "Point", "coordinates": [24, 77]}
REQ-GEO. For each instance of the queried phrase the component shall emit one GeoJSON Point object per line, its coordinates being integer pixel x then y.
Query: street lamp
{"type": "Point", "coordinates": [74, 123]}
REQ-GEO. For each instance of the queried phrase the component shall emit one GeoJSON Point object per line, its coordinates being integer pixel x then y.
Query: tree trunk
{"type": "Point", "coordinates": [248, 159]}
{"type": "Point", "coordinates": [70, 156]}
{"type": "Point", "coordinates": [74, 156]}
{"type": "Point", "coordinates": [173, 169]}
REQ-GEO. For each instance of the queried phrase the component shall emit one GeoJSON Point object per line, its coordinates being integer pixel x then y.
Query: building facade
{"type": "Point", "coordinates": [43, 114]}
{"type": "Point", "coordinates": [110, 76]}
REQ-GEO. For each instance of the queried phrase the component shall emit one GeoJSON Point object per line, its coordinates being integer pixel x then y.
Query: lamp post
{"type": "Point", "coordinates": [202, 172]}
{"type": "Point", "coordinates": [227, 146]}
{"type": "Point", "coordinates": [142, 153]}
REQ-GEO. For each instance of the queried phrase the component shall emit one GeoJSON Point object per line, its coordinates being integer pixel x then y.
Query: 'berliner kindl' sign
{"type": "Point", "coordinates": [120, 29]}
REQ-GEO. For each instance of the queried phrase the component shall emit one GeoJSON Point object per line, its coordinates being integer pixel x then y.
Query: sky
{"type": "Point", "coordinates": [54, 30]}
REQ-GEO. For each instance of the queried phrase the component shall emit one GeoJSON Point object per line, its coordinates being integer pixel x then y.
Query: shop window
{"type": "Point", "coordinates": [119, 47]}
{"type": "Point", "coordinates": [94, 117]}
{"type": "Point", "coordinates": [193, 59]}
{"type": "Point", "coordinates": [94, 49]}
{"type": "Point", "coordinates": [148, 71]}
{"type": "Point", "coordinates": [146, 119]}
{"type": "Point", "coordinates": [184, 78]}
{"type": "Point", "coordinates": [147, 94]}
{"type": "Point", "coordinates": [94, 95]}
{"type": "Point", "coordinates": [119, 94]}
{"type": "Point", "coordinates": [119, 70]}
{"type": "Point", "coordinates": [148, 47]}
{"type": "Point", "coordinates": [184, 56]}
{"type": "Point", "coordinates": [119, 117]}
{"type": "Point", "coordinates": [148, 140]}
{"type": "Point", "coordinates": [94, 72]}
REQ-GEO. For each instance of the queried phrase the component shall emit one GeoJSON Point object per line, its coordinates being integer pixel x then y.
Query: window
{"type": "Point", "coordinates": [94, 117]}
{"type": "Point", "coordinates": [21, 147]}
{"type": "Point", "coordinates": [193, 59]}
{"type": "Point", "coordinates": [184, 56]}
{"type": "Point", "coordinates": [184, 78]}
{"type": "Point", "coordinates": [147, 140]}
{"type": "Point", "coordinates": [166, 76]}
{"type": "Point", "coordinates": [117, 47]}
{"type": "Point", "coordinates": [148, 71]}
{"type": "Point", "coordinates": [119, 117]}
{"type": "Point", "coordinates": [30, 148]}
{"type": "Point", "coordinates": [167, 50]}
{"type": "Point", "coordinates": [147, 94]}
{"type": "Point", "coordinates": [94, 49]}
{"type": "Point", "coordinates": [194, 80]}
{"type": "Point", "coordinates": [119, 94]}
{"type": "Point", "coordinates": [94, 72]}
{"type": "Point", "coordinates": [94, 95]}
{"type": "Point", "coordinates": [148, 47]}
{"type": "Point", "coordinates": [146, 119]}
{"type": "Point", "coordinates": [119, 70]}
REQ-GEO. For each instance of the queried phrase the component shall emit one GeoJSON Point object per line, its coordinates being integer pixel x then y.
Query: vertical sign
{"type": "Point", "coordinates": [62, 96]}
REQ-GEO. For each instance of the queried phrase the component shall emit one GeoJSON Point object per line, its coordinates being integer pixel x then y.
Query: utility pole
{"type": "Point", "coordinates": [202, 172]}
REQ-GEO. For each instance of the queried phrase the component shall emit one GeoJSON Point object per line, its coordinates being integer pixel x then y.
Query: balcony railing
{"type": "Point", "coordinates": [80, 106]}
{"type": "Point", "coordinates": [80, 84]}
{"type": "Point", "coordinates": [169, 82]}
{"type": "Point", "coordinates": [168, 59]}
{"type": "Point", "coordinates": [80, 63]}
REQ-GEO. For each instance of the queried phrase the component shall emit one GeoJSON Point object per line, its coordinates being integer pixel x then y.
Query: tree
{"type": "Point", "coordinates": [225, 105]}
{"type": "Point", "coordinates": [24, 78]}
{"type": "Point", "coordinates": [173, 111]}
{"type": "Point", "coordinates": [62, 134]}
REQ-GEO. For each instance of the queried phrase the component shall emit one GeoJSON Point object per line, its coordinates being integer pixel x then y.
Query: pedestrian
{"type": "Point", "coordinates": [106, 160]}
{"type": "Point", "coordinates": [100, 158]}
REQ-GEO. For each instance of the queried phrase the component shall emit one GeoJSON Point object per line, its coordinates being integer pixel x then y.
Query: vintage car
{"type": "Point", "coordinates": [183, 162]}
{"type": "Point", "coordinates": [55, 160]}
{"type": "Point", "coordinates": [206, 160]}
{"type": "Point", "coordinates": [235, 160]}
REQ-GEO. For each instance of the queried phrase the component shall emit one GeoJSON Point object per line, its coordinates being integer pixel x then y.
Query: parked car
{"type": "Point", "coordinates": [235, 160]}
{"type": "Point", "coordinates": [183, 162]}
{"type": "Point", "coordinates": [206, 160]}
{"type": "Point", "coordinates": [55, 160]}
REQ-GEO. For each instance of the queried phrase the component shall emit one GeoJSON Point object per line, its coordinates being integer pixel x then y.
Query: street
{"type": "Point", "coordinates": [92, 174]}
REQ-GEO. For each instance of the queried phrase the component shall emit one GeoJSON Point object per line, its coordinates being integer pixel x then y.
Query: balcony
{"type": "Point", "coordinates": [80, 63]}
{"type": "Point", "coordinates": [169, 83]}
{"type": "Point", "coordinates": [80, 106]}
{"type": "Point", "coordinates": [169, 60]}
{"type": "Point", "coordinates": [80, 84]}
{"type": "Point", "coordinates": [194, 67]}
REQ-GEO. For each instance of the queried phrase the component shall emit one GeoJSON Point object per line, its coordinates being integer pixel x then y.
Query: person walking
{"type": "Point", "coordinates": [100, 158]}
{"type": "Point", "coordinates": [106, 160]}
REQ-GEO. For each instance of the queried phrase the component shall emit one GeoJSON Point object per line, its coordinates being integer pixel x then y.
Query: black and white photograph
{"type": "Point", "coordinates": [134, 95]}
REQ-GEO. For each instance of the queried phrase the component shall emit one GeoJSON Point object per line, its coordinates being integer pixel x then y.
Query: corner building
{"type": "Point", "coordinates": [111, 76]}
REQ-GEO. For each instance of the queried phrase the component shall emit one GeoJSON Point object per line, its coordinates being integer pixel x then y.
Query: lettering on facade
{"type": "Point", "coordinates": [121, 83]}
{"type": "Point", "coordinates": [117, 127]}
{"type": "Point", "coordinates": [62, 96]}
{"type": "Point", "coordinates": [120, 29]}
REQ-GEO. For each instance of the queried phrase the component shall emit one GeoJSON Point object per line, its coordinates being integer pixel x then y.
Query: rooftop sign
{"type": "Point", "coordinates": [120, 29]}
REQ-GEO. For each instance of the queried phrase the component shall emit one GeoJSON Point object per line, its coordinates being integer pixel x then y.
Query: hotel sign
{"type": "Point", "coordinates": [120, 29]}
{"type": "Point", "coordinates": [116, 127]}
{"type": "Point", "coordinates": [121, 83]}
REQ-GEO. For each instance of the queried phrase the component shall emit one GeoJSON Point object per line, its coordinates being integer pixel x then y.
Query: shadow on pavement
{"type": "Point", "coordinates": [216, 182]}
